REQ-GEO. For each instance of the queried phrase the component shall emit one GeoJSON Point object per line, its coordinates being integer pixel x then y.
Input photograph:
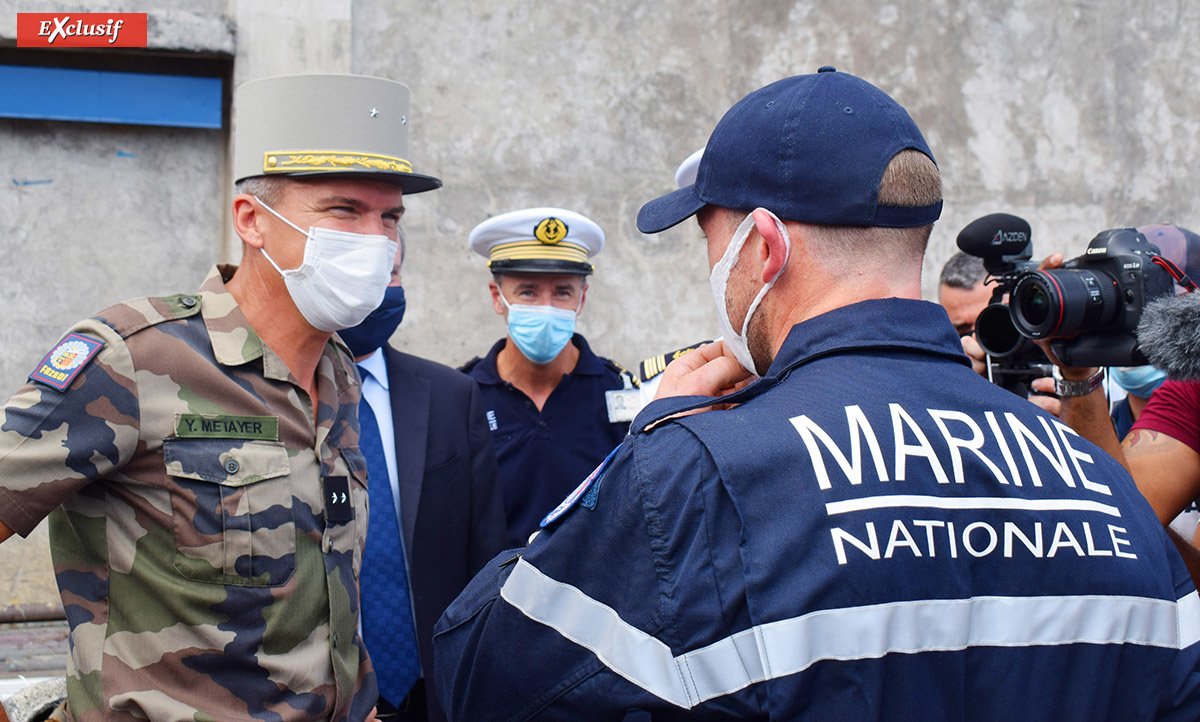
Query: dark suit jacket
{"type": "Point", "coordinates": [453, 515]}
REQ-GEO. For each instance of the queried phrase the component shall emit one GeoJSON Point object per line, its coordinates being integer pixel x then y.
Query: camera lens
{"type": "Point", "coordinates": [1035, 306]}
{"type": "Point", "coordinates": [995, 332]}
{"type": "Point", "coordinates": [1063, 302]}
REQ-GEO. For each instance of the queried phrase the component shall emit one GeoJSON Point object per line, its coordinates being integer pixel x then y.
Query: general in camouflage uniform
{"type": "Point", "coordinates": [206, 494]}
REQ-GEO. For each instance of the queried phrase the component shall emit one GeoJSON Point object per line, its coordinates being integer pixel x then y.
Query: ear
{"type": "Point", "coordinates": [773, 252]}
{"type": "Point", "coordinates": [246, 220]}
{"type": "Point", "coordinates": [496, 302]}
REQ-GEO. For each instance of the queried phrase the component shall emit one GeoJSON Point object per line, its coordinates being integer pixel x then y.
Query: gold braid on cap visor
{"type": "Point", "coordinates": [292, 161]}
{"type": "Point", "coordinates": [536, 250]}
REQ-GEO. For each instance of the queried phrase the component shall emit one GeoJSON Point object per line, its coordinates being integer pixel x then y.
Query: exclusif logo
{"type": "Point", "coordinates": [81, 30]}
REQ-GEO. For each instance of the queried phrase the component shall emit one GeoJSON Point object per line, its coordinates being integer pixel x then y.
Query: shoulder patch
{"type": "Point", "coordinates": [64, 362]}
{"type": "Point", "coordinates": [574, 497]}
{"type": "Point", "coordinates": [655, 365]}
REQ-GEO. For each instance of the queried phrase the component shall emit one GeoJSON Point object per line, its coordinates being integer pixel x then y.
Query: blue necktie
{"type": "Point", "coordinates": [386, 612]}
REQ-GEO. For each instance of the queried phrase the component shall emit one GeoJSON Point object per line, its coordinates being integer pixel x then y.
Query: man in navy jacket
{"type": "Point", "coordinates": [869, 531]}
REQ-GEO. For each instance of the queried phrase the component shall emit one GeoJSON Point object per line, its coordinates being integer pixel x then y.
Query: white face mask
{"type": "Point", "coordinates": [719, 279]}
{"type": "Point", "coordinates": [343, 276]}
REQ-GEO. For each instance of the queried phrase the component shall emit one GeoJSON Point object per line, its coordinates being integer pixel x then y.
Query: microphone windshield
{"type": "Point", "coordinates": [1169, 334]}
{"type": "Point", "coordinates": [996, 235]}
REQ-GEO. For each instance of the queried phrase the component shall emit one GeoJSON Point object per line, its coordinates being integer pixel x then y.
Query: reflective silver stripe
{"type": "Point", "coordinates": [626, 650]}
{"type": "Point", "coordinates": [777, 649]}
{"type": "Point", "coordinates": [951, 502]}
{"type": "Point", "coordinates": [1189, 620]}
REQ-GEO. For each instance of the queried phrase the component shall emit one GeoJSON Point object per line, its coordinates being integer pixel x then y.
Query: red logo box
{"type": "Point", "coordinates": [81, 30]}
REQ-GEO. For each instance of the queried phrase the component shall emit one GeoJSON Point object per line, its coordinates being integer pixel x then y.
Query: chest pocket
{"type": "Point", "coordinates": [232, 511]}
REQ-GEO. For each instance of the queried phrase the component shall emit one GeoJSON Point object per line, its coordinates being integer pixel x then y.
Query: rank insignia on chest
{"type": "Point", "coordinates": [64, 362]}
{"type": "Point", "coordinates": [339, 508]}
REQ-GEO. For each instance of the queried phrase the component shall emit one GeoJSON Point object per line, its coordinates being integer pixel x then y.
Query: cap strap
{"type": "Point", "coordinates": [906, 216]}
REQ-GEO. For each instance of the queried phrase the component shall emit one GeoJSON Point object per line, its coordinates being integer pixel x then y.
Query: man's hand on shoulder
{"type": "Point", "coordinates": [711, 370]}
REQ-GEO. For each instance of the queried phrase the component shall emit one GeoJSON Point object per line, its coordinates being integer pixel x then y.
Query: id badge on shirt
{"type": "Point", "coordinates": [623, 404]}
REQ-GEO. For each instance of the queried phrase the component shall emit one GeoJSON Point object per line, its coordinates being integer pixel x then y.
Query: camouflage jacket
{"type": "Point", "coordinates": [206, 535]}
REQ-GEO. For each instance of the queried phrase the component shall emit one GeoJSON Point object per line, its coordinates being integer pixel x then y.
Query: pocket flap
{"type": "Point", "coordinates": [356, 463]}
{"type": "Point", "coordinates": [229, 462]}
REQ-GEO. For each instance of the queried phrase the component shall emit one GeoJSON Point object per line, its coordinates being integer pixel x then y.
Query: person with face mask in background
{"type": "Point", "coordinates": [868, 531]}
{"type": "Point", "coordinates": [198, 454]}
{"type": "Point", "coordinates": [555, 409]}
{"type": "Point", "coordinates": [436, 512]}
{"type": "Point", "coordinates": [1138, 382]}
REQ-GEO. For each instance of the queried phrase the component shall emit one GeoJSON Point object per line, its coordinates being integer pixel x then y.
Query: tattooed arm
{"type": "Point", "coordinates": [1167, 472]}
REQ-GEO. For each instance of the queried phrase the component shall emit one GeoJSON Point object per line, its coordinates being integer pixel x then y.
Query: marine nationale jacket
{"type": "Point", "coordinates": [206, 533]}
{"type": "Point", "coordinates": [873, 532]}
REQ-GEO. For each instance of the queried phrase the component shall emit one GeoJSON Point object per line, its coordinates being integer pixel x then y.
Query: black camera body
{"type": "Point", "coordinates": [1092, 304]}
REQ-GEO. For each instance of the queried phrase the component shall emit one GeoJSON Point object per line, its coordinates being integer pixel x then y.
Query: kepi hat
{"type": "Point", "coordinates": [325, 126]}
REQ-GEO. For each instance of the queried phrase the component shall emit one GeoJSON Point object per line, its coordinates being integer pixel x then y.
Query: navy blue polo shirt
{"type": "Point", "coordinates": [543, 455]}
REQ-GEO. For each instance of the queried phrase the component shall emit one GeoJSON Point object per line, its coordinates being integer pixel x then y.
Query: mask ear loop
{"type": "Point", "coordinates": [275, 213]}
{"type": "Point", "coordinates": [762, 292]}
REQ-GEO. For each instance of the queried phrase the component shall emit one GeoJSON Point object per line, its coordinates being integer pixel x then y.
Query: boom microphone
{"type": "Point", "coordinates": [1169, 334]}
{"type": "Point", "coordinates": [998, 238]}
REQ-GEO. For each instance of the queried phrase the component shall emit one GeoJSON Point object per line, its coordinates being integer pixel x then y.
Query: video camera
{"type": "Point", "coordinates": [1090, 306]}
{"type": "Point", "coordinates": [1004, 243]}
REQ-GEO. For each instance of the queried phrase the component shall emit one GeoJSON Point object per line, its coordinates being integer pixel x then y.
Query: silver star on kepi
{"type": "Point", "coordinates": [374, 112]}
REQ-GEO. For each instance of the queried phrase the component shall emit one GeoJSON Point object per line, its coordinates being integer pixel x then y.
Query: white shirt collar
{"type": "Point", "coordinates": [376, 366]}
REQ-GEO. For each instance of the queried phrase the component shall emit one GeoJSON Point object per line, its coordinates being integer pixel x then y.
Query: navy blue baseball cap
{"type": "Point", "coordinates": [810, 148]}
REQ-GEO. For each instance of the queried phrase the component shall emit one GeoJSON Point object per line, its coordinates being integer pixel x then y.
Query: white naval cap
{"type": "Point", "coordinates": [685, 174]}
{"type": "Point", "coordinates": [538, 240]}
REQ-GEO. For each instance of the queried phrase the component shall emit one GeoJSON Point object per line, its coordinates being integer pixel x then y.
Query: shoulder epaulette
{"type": "Point", "coordinates": [631, 379]}
{"type": "Point", "coordinates": [129, 317]}
{"type": "Point", "coordinates": [655, 365]}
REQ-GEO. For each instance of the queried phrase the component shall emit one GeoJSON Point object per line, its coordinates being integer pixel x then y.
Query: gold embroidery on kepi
{"type": "Point", "coordinates": [298, 161]}
{"type": "Point", "coordinates": [550, 231]}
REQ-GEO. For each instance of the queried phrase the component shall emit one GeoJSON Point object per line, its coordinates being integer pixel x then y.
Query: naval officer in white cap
{"type": "Point", "coordinates": [555, 408]}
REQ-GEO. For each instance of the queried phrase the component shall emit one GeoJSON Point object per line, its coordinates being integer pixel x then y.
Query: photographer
{"type": "Point", "coordinates": [962, 291]}
{"type": "Point", "coordinates": [1162, 451]}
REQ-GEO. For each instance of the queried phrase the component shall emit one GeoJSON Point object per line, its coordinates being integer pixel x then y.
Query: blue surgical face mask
{"type": "Point", "coordinates": [379, 325]}
{"type": "Point", "coordinates": [1138, 380]}
{"type": "Point", "coordinates": [540, 332]}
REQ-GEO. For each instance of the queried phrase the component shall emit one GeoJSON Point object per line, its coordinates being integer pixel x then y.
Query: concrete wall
{"type": "Point", "coordinates": [1078, 117]}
